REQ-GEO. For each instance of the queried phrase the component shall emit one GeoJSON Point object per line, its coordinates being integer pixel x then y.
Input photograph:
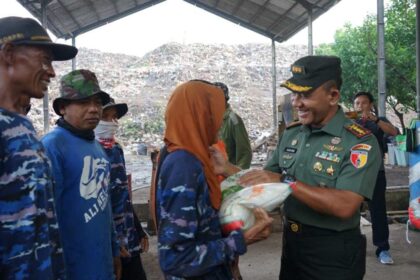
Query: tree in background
{"type": "Point", "coordinates": [356, 46]}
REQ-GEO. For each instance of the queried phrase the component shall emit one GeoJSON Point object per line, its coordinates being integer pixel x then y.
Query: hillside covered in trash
{"type": "Point", "coordinates": [145, 83]}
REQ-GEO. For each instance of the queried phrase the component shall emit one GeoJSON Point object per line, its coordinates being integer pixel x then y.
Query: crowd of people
{"type": "Point", "coordinates": [65, 206]}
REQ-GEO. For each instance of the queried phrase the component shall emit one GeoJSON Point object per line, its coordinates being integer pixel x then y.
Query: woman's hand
{"type": "Point", "coordinates": [261, 229]}
{"type": "Point", "coordinates": [220, 165]}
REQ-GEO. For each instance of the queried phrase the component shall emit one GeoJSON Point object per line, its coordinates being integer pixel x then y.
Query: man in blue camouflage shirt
{"type": "Point", "coordinates": [29, 242]}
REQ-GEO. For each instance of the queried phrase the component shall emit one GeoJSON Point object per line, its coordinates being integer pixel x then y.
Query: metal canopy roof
{"type": "Point", "coordinates": [276, 19]}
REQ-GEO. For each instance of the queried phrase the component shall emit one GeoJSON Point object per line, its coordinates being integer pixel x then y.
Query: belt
{"type": "Point", "coordinates": [296, 227]}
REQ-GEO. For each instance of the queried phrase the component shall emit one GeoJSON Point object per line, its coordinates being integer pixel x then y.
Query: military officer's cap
{"type": "Point", "coordinates": [310, 72]}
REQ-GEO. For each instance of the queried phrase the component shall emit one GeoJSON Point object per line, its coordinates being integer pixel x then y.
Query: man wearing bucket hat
{"type": "Point", "coordinates": [129, 231]}
{"type": "Point", "coordinates": [330, 164]}
{"type": "Point", "coordinates": [29, 243]}
{"type": "Point", "coordinates": [81, 172]}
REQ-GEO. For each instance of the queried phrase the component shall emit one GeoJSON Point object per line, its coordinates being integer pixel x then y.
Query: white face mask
{"type": "Point", "coordinates": [106, 130]}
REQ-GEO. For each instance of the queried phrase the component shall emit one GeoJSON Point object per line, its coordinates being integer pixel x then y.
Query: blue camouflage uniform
{"type": "Point", "coordinates": [122, 209]}
{"type": "Point", "coordinates": [29, 241]}
{"type": "Point", "coordinates": [190, 241]}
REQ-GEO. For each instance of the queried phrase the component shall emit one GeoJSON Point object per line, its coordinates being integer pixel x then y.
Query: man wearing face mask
{"type": "Point", "coordinates": [130, 234]}
{"type": "Point", "coordinates": [81, 171]}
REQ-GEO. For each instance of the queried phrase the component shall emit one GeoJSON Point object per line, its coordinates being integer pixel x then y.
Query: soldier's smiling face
{"type": "Point", "coordinates": [316, 107]}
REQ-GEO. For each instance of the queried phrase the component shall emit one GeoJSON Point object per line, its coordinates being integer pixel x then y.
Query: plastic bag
{"type": "Point", "coordinates": [238, 201]}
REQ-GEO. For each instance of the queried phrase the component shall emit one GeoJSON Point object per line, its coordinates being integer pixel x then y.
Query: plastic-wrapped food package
{"type": "Point", "coordinates": [238, 201]}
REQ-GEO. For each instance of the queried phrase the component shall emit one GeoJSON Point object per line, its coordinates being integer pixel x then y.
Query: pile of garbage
{"type": "Point", "coordinates": [145, 83]}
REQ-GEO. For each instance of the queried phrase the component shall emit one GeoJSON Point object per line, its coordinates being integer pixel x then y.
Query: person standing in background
{"type": "Point", "coordinates": [130, 234]}
{"type": "Point", "coordinates": [29, 239]}
{"type": "Point", "coordinates": [363, 103]}
{"type": "Point", "coordinates": [233, 133]}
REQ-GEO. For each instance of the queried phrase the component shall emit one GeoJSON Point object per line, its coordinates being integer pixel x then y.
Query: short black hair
{"type": "Point", "coordinates": [364, 93]}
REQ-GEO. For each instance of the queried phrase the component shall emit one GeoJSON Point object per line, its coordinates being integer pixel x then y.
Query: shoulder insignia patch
{"type": "Point", "coordinates": [294, 124]}
{"type": "Point", "coordinates": [357, 130]}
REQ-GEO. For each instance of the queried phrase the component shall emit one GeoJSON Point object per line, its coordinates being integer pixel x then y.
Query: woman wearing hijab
{"type": "Point", "coordinates": [130, 234]}
{"type": "Point", "coordinates": [188, 194]}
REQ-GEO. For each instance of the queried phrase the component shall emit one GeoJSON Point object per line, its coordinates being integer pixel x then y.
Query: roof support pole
{"type": "Point", "coordinates": [381, 58]}
{"type": "Point", "coordinates": [418, 58]}
{"type": "Point", "coordinates": [310, 33]}
{"type": "Point", "coordinates": [44, 4]}
{"type": "Point", "coordinates": [274, 77]}
{"type": "Point", "coordinates": [73, 61]}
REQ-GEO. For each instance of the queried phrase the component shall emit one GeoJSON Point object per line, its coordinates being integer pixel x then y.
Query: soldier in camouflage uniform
{"type": "Point", "coordinates": [29, 241]}
{"type": "Point", "coordinates": [81, 171]}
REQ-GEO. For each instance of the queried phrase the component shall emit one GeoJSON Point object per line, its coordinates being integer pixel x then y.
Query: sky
{"type": "Point", "coordinates": [179, 21]}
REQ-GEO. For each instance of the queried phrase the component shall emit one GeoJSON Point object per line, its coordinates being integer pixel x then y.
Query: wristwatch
{"type": "Point", "coordinates": [290, 180]}
{"type": "Point", "coordinates": [287, 178]}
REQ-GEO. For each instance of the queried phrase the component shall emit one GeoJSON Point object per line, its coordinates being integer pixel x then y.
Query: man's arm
{"type": "Point", "coordinates": [339, 203]}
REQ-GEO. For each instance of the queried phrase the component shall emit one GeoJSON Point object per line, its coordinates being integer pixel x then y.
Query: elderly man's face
{"type": "Point", "coordinates": [33, 70]}
{"type": "Point", "coordinates": [83, 114]}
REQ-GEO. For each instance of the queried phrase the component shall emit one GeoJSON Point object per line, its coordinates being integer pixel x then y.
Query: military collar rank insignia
{"type": "Point", "coordinates": [357, 130]}
{"type": "Point", "coordinates": [359, 155]}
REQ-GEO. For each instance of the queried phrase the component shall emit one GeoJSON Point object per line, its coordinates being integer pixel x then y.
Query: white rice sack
{"type": "Point", "coordinates": [238, 202]}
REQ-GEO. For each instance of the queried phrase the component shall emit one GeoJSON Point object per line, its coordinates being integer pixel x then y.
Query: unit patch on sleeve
{"type": "Point", "coordinates": [359, 155]}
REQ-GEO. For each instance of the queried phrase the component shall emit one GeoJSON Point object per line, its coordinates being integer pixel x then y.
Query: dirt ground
{"type": "Point", "coordinates": [262, 262]}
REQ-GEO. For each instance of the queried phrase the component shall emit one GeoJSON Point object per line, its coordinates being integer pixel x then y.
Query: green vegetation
{"type": "Point", "coordinates": [356, 46]}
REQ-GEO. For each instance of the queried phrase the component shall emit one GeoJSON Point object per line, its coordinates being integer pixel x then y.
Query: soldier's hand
{"type": "Point", "coordinates": [255, 177]}
{"type": "Point", "coordinates": [261, 229]}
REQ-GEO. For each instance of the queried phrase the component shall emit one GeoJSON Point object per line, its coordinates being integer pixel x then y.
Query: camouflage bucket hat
{"type": "Point", "coordinates": [77, 85]}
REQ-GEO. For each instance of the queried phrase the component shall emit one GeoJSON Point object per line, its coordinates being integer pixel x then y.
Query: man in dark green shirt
{"type": "Point", "coordinates": [330, 164]}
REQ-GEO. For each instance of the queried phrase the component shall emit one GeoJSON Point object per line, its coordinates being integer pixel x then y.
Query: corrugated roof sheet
{"type": "Point", "coordinates": [275, 19]}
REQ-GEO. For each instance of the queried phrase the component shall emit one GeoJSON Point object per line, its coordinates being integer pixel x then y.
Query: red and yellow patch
{"type": "Point", "coordinates": [359, 155]}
